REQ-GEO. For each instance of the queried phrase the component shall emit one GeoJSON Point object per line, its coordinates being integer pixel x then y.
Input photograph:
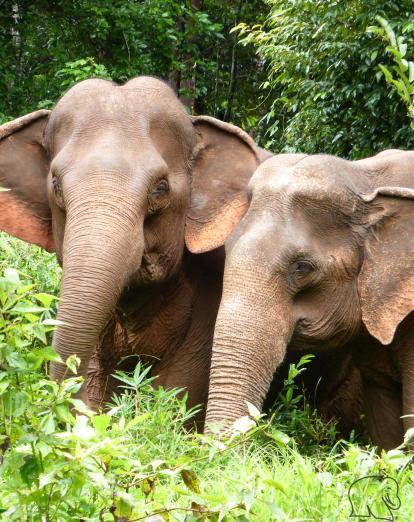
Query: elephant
{"type": "Point", "coordinates": [136, 198]}
{"type": "Point", "coordinates": [322, 262]}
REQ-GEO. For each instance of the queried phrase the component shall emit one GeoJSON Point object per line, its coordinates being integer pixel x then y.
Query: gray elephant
{"type": "Point", "coordinates": [127, 189]}
{"type": "Point", "coordinates": [323, 261]}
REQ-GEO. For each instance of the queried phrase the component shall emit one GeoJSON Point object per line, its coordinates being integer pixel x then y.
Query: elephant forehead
{"type": "Point", "coordinates": [283, 169]}
{"type": "Point", "coordinates": [305, 183]}
{"type": "Point", "coordinates": [127, 117]}
{"type": "Point", "coordinates": [138, 99]}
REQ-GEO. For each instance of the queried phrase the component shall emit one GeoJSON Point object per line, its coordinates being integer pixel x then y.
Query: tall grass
{"type": "Point", "coordinates": [137, 460]}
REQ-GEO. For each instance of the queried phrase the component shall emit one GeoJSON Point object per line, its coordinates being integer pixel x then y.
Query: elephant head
{"type": "Point", "coordinates": [117, 180]}
{"type": "Point", "coordinates": [325, 250]}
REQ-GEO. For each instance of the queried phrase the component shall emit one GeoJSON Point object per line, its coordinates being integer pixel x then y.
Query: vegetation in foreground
{"type": "Point", "coordinates": [136, 460]}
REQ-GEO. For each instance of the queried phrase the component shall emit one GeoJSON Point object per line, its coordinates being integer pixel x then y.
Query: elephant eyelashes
{"type": "Point", "coordinates": [162, 187]}
{"type": "Point", "coordinates": [303, 267]}
{"type": "Point", "coordinates": [158, 197]}
{"type": "Point", "coordinates": [57, 190]}
{"type": "Point", "coordinates": [302, 274]}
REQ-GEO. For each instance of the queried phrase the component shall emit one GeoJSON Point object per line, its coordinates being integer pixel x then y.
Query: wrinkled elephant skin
{"type": "Point", "coordinates": [137, 199]}
{"type": "Point", "coordinates": [322, 262]}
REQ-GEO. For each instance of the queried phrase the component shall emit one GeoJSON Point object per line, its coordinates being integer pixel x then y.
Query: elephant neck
{"type": "Point", "coordinates": [139, 305]}
{"type": "Point", "coordinates": [156, 320]}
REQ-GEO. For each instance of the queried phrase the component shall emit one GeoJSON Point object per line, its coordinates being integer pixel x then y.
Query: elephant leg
{"type": "Point", "coordinates": [189, 366]}
{"type": "Point", "coordinates": [98, 382]}
{"type": "Point", "coordinates": [345, 402]}
{"type": "Point", "coordinates": [101, 383]}
{"type": "Point", "coordinates": [404, 350]}
{"type": "Point", "coordinates": [383, 406]}
{"type": "Point", "coordinates": [106, 359]}
{"type": "Point", "coordinates": [189, 369]}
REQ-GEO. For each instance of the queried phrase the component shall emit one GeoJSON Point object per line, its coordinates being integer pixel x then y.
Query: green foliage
{"type": "Point", "coordinates": [321, 91]}
{"type": "Point", "coordinates": [79, 70]}
{"type": "Point", "coordinates": [31, 262]}
{"type": "Point", "coordinates": [293, 414]}
{"type": "Point", "coordinates": [322, 64]}
{"type": "Point", "coordinates": [136, 459]}
{"type": "Point", "coordinates": [46, 46]}
{"type": "Point", "coordinates": [401, 74]}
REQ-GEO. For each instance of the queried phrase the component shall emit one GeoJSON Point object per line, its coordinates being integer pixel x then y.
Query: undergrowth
{"type": "Point", "coordinates": [137, 460]}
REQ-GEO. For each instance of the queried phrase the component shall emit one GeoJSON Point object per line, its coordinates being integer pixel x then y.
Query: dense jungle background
{"type": "Point", "coordinates": [329, 76]}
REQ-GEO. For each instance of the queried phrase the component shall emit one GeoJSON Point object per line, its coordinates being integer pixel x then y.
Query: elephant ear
{"type": "Point", "coordinates": [24, 166]}
{"type": "Point", "coordinates": [386, 281]}
{"type": "Point", "coordinates": [223, 162]}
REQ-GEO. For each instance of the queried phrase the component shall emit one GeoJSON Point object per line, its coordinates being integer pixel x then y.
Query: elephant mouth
{"type": "Point", "coordinates": [155, 267]}
{"type": "Point", "coordinates": [317, 338]}
{"type": "Point", "coordinates": [156, 271]}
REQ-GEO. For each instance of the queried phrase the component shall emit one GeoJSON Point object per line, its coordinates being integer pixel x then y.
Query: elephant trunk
{"type": "Point", "coordinates": [252, 331]}
{"type": "Point", "coordinates": [98, 257]}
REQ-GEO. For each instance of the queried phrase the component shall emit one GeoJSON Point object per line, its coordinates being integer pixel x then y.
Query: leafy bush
{"type": "Point", "coordinates": [322, 81]}
{"type": "Point", "coordinates": [32, 262]}
{"type": "Point", "coordinates": [401, 74]}
{"type": "Point", "coordinates": [293, 414]}
{"type": "Point", "coordinates": [187, 43]}
{"type": "Point", "coordinates": [58, 461]}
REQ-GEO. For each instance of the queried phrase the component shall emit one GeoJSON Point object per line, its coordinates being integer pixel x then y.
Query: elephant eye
{"type": "Point", "coordinates": [303, 267]}
{"type": "Point", "coordinates": [158, 196]}
{"type": "Point", "coordinates": [160, 189]}
{"type": "Point", "coordinates": [57, 190]}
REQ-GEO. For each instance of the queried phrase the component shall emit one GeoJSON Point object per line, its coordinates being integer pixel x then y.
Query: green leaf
{"type": "Point", "coordinates": [12, 275]}
{"type": "Point", "coordinates": [191, 480]}
{"type": "Point", "coordinates": [147, 486]}
{"type": "Point", "coordinates": [39, 332]}
{"type": "Point", "coordinates": [19, 402]}
{"type": "Point", "coordinates": [3, 386]}
{"type": "Point", "coordinates": [45, 299]}
{"type": "Point", "coordinates": [124, 504]}
{"type": "Point", "coordinates": [52, 322]}
{"type": "Point", "coordinates": [253, 411]}
{"type": "Point", "coordinates": [101, 422]}
{"type": "Point", "coordinates": [276, 484]}
{"type": "Point", "coordinates": [403, 49]}
{"type": "Point", "coordinates": [137, 420]}
{"type": "Point", "coordinates": [73, 362]}
{"type": "Point", "coordinates": [242, 425]}
{"type": "Point", "coordinates": [63, 413]}
{"type": "Point", "coordinates": [48, 353]}
{"type": "Point", "coordinates": [25, 308]}
{"type": "Point", "coordinates": [388, 30]}
{"type": "Point", "coordinates": [30, 470]}
{"type": "Point", "coordinates": [279, 437]}
{"type": "Point", "coordinates": [81, 407]}
{"type": "Point", "coordinates": [48, 424]}
{"type": "Point", "coordinates": [411, 72]}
